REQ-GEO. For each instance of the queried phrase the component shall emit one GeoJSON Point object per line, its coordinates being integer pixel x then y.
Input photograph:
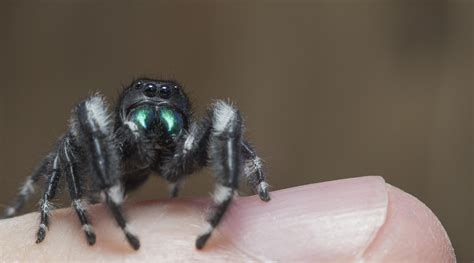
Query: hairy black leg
{"type": "Point", "coordinates": [113, 198]}
{"type": "Point", "coordinates": [226, 158]}
{"type": "Point", "coordinates": [93, 130]}
{"type": "Point", "coordinates": [28, 187]}
{"type": "Point", "coordinates": [75, 191]}
{"type": "Point", "coordinates": [253, 170]}
{"type": "Point", "coordinates": [174, 188]}
{"type": "Point", "coordinates": [45, 205]}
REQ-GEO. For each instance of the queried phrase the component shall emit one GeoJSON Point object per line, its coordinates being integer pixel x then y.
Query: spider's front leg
{"type": "Point", "coordinates": [93, 132]}
{"type": "Point", "coordinates": [254, 173]}
{"type": "Point", "coordinates": [217, 140]}
{"type": "Point", "coordinates": [225, 155]}
{"type": "Point", "coordinates": [88, 149]}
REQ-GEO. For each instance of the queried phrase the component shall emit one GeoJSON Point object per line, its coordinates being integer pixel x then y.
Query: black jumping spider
{"type": "Point", "coordinates": [151, 132]}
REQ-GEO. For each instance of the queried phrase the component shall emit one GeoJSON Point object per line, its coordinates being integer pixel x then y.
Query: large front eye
{"type": "Point", "coordinates": [150, 90]}
{"type": "Point", "coordinates": [165, 91]}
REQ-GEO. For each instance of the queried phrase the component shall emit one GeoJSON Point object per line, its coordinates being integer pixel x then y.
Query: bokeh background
{"type": "Point", "coordinates": [329, 89]}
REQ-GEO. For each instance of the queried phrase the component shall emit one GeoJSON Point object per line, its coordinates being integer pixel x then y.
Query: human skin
{"type": "Point", "coordinates": [352, 220]}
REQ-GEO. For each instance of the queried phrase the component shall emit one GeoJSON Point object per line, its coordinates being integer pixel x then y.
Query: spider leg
{"type": "Point", "coordinates": [45, 203]}
{"type": "Point", "coordinates": [218, 140]}
{"type": "Point", "coordinates": [174, 188]}
{"type": "Point", "coordinates": [253, 171]}
{"type": "Point", "coordinates": [93, 129]}
{"type": "Point", "coordinates": [75, 191]}
{"type": "Point", "coordinates": [226, 158]}
{"type": "Point", "coordinates": [28, 187]}
{"type": "Point", "coordinates": [114, 202]}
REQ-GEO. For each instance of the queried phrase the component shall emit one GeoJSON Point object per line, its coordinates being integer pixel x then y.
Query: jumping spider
{"type": "Point", "coordinates": [151, 131]}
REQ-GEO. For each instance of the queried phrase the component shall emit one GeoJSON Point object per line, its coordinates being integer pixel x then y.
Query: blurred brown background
{"type": "Point", "coordinates": [329, 89]}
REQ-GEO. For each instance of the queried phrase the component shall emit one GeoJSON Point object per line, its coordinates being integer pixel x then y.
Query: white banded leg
{"type": "Point", "coordinates": [254, 173]}
{"type": "Point", "coordinates": [92, 124]}
{"type": "Point", "coordinates": [114, 198]}
{"type": "Point", "coordinates": [25, 191]}
{"type": "Point", "coordinates": [28, 188]}
{"type": "Point", "coordinates": [45, 203]}
{"type": "Point", "coordinates": [76, 191]}
{"type": "Point", "coordinates": [226, 158]}
{"type": "Point", "coordinates": [174, 188]}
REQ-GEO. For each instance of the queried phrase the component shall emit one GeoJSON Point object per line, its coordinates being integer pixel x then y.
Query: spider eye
{"type": "Point", "coordinates": [150, 90]}
{"type": "Point", "coordinates": [165, 91]}
{"type": "Point", "coordinates": [138, 84]}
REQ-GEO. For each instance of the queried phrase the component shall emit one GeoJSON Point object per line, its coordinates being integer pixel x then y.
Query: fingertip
{"type": "Point", "coordinates": [411, 232]}
{"type": "Point", "coordinates": [330, 221]}
{"type": "Point", "coordinates": [358, 219]}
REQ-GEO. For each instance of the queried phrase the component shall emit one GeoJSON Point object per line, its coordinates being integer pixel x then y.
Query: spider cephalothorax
{"type": "Point", "coordinates": [152, 132]}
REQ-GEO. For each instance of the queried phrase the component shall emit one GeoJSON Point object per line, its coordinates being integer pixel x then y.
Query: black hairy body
{"type": "Point", "coordinates": [150, 132]}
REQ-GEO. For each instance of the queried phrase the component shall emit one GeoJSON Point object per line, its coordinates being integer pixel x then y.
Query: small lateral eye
{"type": "Point", "coordinates": [166, 91]}
{"type": "Point", "coordinates": [138, 84]}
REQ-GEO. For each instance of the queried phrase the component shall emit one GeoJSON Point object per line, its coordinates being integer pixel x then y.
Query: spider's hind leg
{"type": "Point", "coordinates": [50, 169]}
{"type": "Point", "coordinates": [48, 195]}
{"type": "Point", "coordinates": [28, 188]}
{"type": "Point", "coordinates": [174, 188]}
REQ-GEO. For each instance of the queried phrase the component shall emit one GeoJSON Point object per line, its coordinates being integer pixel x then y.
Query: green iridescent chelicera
{"type": "Point", "coordinates": [147, 118]}
{"type": "Point", "coordinates": [172, 121]}
{"type": "Point", "coordinates": [144, 116]}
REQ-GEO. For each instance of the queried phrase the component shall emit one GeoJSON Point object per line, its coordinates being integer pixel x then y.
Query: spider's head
{"type": "Point", "coordinates": [157, 107]}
